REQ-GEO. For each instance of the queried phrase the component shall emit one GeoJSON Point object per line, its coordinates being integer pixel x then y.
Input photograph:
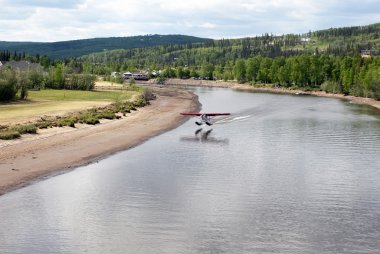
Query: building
{"type": "Point", "coordinates": [127, 74]}
{"type": "Point", "coordinates": [368, 53]}
{"type": "Point", "coordinates": [140, 76]}
{"type": "Point", "coordinates": [307, 40]}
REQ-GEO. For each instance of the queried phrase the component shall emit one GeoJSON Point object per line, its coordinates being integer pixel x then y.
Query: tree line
{"type": "Point", "coordinates": [348, 75]}
{"type": "Point", "coordinates": [332, 63]}
{"type": "Point", "coordinates": [55, 77]}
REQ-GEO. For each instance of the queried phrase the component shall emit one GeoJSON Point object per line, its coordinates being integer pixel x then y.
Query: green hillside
{"type": "Point", "coordinates": [348, 41]}
{"type": "Point", "coordinates": [75, 48]}
{"type": "Point", "coordinates": [343, 60]}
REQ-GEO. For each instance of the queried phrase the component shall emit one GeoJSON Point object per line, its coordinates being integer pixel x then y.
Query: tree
{"type": "Point", "coordinates": [36, 79]}
{"type": "Point", "coordinates": [253, 66]}
{"type": "Point", "coordinates": [372, 82]}
{"type": "Point", "coordinates": [240, 71]}
{"type": "Point", "coordinates": [8, 84]}
{"type": "Point", "coordinates": [58, 77]}
{"type": "Point", "coordinates": [263, 74]}
{"type": "Point", "coordinates": [275, 69]}
{"type": "Point", "coordinates": [207, 70]}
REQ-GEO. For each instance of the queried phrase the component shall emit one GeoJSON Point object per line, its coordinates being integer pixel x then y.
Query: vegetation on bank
{"type": "Point", "coordinates": [121, 106]}
{"type": "Point", "coordinates": [12, 81]}
{"type": "Point", "coordinates": [329, 60]}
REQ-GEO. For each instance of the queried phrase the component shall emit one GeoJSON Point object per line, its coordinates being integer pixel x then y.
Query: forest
{"type": "Point", "coordinates": [336, 60]}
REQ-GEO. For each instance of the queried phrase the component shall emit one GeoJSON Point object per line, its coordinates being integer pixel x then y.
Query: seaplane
{"type": "Point", "coordinates": [205, 118]}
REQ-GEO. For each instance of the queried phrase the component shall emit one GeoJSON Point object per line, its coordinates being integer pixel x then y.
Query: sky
{"type": "Point", "coordinates": [55, 20]}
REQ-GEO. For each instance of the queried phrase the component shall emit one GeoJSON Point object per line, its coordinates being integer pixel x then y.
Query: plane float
{"type": "Point", "coordinates": [205, 118]}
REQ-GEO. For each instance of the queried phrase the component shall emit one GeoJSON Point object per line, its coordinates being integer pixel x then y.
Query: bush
{"type": "Point", "coordinates": [140, 102]}
{"type": "Point", "coordinates": [80, 82]}
{"type": "Point", "coordinates": [331, 87]}
{"type": "Point", "coordinates": [9, 134]}
{"type": "Point", "coordinates": [89, 118]}
{"type": "Point", "coordinates": [148, 95]}
{"type": "Point", "coordinates": [8, 85]}
{"type": "Point", "coordinates": [36, 79]}
{"type": "Point", "coordinates": [23, 129]}
{"type": "Point", "coordinates": [44, 124]}
{"type": "Point", "coordinates": [106, 115]}
{"type": "Point", "coordinates": [67, 122]}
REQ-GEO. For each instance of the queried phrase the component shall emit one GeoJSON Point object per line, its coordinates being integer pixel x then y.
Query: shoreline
{"type": "Point", "coordinates": [29, 159]}
{"type": "Point", "coordinates": [247, 87]}
{"type": "Point", "coordinates": [56, 151]}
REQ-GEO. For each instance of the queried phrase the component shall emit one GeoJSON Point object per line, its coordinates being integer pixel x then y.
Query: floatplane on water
{"type": "Point", "coordinates": [205, 118]}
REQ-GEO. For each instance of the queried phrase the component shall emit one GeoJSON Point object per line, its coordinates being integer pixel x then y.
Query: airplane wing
{"type": "Point", "coordinates": [191, 114]}
{"type": "Point", "coordinates": [204, 114]}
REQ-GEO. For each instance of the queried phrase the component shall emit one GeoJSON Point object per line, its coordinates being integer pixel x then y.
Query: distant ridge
{"type": "Point", "coordinates": [337, 41]}
{"type": "Point", "coordinates": [76, 48]}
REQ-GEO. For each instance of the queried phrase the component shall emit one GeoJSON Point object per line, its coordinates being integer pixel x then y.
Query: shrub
{"type": "Point", "coordinates": [23, 129]}
{"type": "Point", "coordinates": [80, 82]}
{"type": "Point", "coordinates": [89, 118]}
{"type": "Point", "coordinates": [44, 124]}
{"type": "Point", "coordinates": [148, 95]}
{"type": "Point", "coordinates": [9, 134]}
{"type": "Point", "coordinates": [106, 115]}
{"type": "Point", "coordinates": [140, 102]}
{"type": "Point", "coordinates": [67, 122]}
{"type": "Point", "coordinates": [331, 87]}
{"type": "Point", "coordinates": [8, 85]}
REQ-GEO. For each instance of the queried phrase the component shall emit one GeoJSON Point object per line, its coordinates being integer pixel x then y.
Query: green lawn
{"type": "Point", "coordinates": [57, 102]}
{"type": "Point", "coordinates": [70, 95]}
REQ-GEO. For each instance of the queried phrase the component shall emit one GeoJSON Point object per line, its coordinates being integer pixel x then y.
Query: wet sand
{"type": "Point", "coordinates": [57, 150]}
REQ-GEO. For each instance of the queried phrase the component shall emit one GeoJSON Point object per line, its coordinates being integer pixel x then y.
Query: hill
{"type": "Point", "coordinates": [76, 48]}
{"type": "Point", "coordinates": [346, 41]}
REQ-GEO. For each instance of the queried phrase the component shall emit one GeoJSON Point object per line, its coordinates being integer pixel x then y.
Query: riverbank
{"type": "Point", "coordinates": [247, 87]}
{"type": "Point", "coordinates": [56, 150]}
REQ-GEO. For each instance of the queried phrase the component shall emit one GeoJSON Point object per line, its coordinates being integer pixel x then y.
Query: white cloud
{"type": "Point", "coordinates": [53, 20]}
{"type": "Point", "coordinates": [44, 3]}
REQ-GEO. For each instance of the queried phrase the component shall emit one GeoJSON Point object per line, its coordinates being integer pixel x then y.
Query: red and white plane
{"type": "Point", "coordinates": [204, 117]}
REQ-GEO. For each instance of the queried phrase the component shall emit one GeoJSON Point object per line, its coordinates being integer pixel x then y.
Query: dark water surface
{"type": "Point", "coordinates": [282, 174]}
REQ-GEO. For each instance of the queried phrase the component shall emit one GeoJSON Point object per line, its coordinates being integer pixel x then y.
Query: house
{"type": "Point", "coordinates": [307, 40]}
{"type": "Point", "coordinates": [127, 74]}
{"type": "Point", "coordinates": [368, 53]}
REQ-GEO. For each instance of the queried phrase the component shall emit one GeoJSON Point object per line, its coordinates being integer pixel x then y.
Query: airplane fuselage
{"type": "Point", "coordinates": [205, 118]}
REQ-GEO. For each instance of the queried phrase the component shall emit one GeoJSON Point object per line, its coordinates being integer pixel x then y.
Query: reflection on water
{"type": "Point", "coordinates": [282, 174]}
{"type": "Point", "coordinates": [201, 135]}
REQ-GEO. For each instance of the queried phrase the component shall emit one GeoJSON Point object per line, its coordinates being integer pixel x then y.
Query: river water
{"type": "Point", "coordinates": [282, 174]}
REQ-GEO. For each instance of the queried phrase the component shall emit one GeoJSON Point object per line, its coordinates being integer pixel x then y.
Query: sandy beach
{"type": "Point", "coordinates": [57, 150]}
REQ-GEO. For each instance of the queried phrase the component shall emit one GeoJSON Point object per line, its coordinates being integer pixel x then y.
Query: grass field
{"type": "Point", "coordinates": [57, 102]}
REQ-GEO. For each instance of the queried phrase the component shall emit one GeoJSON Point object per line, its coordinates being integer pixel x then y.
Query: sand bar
{"type": "Point", "coordinates": [56, 150]}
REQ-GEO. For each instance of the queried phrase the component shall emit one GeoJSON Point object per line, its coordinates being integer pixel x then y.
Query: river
{"type": "Point", "coordinates": [282, 174]}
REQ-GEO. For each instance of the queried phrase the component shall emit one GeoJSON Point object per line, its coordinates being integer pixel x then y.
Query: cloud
{"type": "Point", "coordinates": [53, 20]}
{"type": "Point", "coordinates": [66, 4]}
